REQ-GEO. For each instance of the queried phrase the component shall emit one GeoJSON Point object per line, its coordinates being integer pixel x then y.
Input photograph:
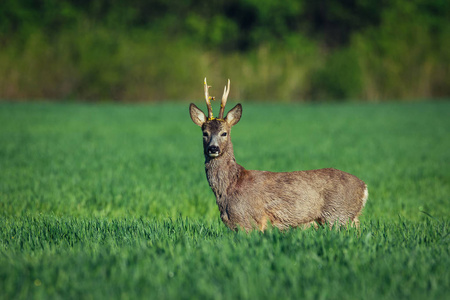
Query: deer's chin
{"type": "Point", "coordinates": [213, 155]}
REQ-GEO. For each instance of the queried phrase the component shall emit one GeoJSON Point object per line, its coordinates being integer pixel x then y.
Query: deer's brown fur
{"type": "Point", "coordinates": [250, 199]}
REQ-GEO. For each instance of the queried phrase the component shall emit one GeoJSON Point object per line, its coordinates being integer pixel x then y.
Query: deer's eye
{"type": "Point", "coordinates": [205, 134]}
{"type": "Point", "coordinates": [224, 134]}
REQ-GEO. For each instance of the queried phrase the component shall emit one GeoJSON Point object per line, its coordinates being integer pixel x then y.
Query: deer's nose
{"type": "Point", "coordinates": [213, 149]}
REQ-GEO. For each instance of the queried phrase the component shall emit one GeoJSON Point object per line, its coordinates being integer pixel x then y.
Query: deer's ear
{"type": "Point", "coordinates": [197, 116]}
{"type": "Point", "coordinates": [234, 115]}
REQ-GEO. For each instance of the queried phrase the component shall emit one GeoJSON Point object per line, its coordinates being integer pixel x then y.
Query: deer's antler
{"type": "Point", "coordinates": [208, 101]}
{"type": "Point", "coordinates": [226, 91]}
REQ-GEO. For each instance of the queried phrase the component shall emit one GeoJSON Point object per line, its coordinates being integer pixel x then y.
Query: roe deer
{"type": "Point", "coordinates": [249, 199]}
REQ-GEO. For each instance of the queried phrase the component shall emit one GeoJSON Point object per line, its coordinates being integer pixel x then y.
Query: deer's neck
{"type": "Point", "coordinates": [222, 172]}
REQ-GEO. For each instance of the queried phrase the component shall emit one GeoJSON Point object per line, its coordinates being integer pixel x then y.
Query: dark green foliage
{"type": "Point", "coordinates": [339, 78]}
{"type": "Point", "coordinates": [287, 50]}
{"type": "Point", "coordinates": [109, 201]}
{"type": "Point", "coordinates": [229, 25]}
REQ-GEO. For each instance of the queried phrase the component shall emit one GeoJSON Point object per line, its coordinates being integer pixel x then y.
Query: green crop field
{"type": "Point", "coordinates": [101, 201]}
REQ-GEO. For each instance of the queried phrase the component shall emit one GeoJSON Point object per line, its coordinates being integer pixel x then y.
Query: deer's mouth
{"type": "Point", "coordinates": [213, 154]}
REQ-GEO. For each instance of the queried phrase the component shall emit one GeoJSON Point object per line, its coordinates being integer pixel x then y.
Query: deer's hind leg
{"type": "Point", "coordinates": [314, 224]}
{"type": "Point", "coordinates": [355, 222]}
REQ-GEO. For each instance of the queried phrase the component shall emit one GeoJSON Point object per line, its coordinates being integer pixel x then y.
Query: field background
{"type": "Point", "coordinates": [106, 200]}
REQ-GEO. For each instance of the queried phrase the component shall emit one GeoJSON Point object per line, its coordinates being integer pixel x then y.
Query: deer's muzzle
{"type": "Point", "coordinates": [213, 151]}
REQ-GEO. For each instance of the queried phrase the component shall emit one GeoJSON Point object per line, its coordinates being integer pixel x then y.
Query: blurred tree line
{"type": "Point", "coordinates": [289, 50]}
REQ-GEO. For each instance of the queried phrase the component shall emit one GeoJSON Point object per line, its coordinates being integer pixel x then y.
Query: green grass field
{"type": "Point", "coordinates": [111, 201]}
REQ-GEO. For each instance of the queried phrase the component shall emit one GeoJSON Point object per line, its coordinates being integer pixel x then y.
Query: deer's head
{"type": "Point", "coordinates": [216, 131]}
